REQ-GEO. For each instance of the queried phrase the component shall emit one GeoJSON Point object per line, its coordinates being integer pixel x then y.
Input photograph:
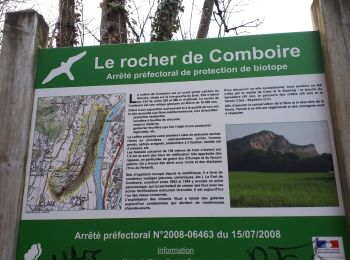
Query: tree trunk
{"type": "Point", "coordinates": [166, 23]}
{"type": "Point", "coordinates": [66, 29]}
{"type": "Point", "coordinates": [113, 22]}
{"type": "Point", "coordinates": [207, 12]}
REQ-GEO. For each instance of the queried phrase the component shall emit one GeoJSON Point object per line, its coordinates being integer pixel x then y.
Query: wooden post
{"type": "Point", "coordinates": [24, 32]}
{"type": "Point", "coordinates": [332, 19]}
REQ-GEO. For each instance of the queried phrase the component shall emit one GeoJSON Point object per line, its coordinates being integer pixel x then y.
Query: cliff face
{"type": "Point", "coordinates": [267, 140]}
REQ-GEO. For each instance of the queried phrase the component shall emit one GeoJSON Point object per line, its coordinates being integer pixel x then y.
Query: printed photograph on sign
{"type": "Point", "coordinates": [280, 165]}
{"type": "Point", "coordinates": [77, 154]}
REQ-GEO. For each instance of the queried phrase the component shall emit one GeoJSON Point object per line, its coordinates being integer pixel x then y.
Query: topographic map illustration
{"type": "Point", "coordinates": [77, 154]}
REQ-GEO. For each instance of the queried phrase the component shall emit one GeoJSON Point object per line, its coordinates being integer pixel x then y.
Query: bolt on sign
{"type": "Point", "coordinates": [200, 149]}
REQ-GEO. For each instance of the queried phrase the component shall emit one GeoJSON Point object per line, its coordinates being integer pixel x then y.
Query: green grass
{"type": "Point", "coordinates": [281, 189]}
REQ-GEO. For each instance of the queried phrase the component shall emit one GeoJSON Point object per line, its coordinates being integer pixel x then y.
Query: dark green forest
{"type": "Point", "coordinates": [269, 161]}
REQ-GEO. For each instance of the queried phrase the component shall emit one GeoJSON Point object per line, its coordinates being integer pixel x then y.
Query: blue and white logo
{"type": "Point", "coordinates": [328, 248]}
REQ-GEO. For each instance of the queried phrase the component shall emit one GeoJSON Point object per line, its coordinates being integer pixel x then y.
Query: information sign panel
{"type": "Point", "coordinates": [203, 149]}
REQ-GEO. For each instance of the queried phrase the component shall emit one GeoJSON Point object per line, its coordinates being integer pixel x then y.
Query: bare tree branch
{"type": "Point", "coordinates": [190, 26]}
{"type": "Point", "coordinates": [222, 17]}
{"type": "Point", "coordinates": [138, 28]}
{"type": "Point", "coordinates": [133, 30]}
{"type": "Point", "coordinates": [92, 33]}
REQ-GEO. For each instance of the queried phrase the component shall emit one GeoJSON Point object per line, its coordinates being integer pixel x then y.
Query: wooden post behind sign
{"type": "Point", "coordinates": [332, 19]}
{"type": "Point", "coordinates": [24, 33]}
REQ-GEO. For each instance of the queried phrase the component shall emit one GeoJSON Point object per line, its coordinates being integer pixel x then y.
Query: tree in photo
{"type": "Point", "coordinates": [166, 21]}
{"type": "Point", "coordinates": [113, 22]}
{"type": "Point", "coordinates": [66, 28]}
{"type": "Point", "coordinates": [204, 23]}
{"type": "Point", "coordinates": [129, 21]}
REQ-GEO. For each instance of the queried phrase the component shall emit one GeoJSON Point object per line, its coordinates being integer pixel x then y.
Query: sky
{"type": "Point", "coordinates": [300, 133]}
{"type": "Point", "coordinates": [284, 15]}
{"type": "Point", "coordinates": [277, 15]}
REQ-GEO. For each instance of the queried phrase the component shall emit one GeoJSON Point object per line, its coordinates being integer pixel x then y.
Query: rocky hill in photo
{"type": "Point", "coordinates": [267, 140]}
{"type": "Point", "coordinates": [266, 151]}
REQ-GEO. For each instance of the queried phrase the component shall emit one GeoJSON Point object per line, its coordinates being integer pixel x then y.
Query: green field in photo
{"type": "Point", "coordinates": [282, 189]}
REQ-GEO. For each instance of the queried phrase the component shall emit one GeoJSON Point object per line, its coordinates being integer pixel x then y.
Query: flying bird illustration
{"type": "Point", "coordinates": [64, 68]}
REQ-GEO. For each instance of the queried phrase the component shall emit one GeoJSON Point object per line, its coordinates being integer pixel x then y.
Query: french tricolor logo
{"type": "Point", "coordinates": [331, 244]}
{"type": "Point", "coordinates": [326, 248]}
